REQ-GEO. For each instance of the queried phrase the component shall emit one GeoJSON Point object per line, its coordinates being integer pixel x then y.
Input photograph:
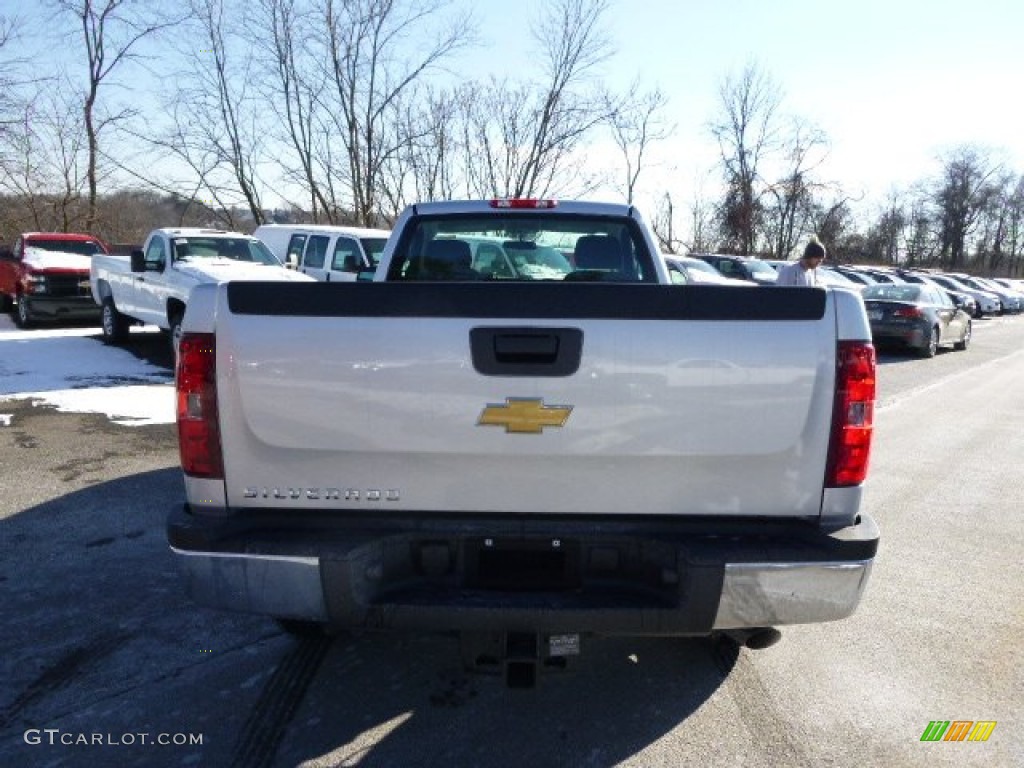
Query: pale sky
{"type": "Point", "coordinates": [893, 83]}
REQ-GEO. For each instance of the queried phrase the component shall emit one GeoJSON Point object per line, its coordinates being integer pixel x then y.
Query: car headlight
{"type": "Point", "coordinates": [36, 283]}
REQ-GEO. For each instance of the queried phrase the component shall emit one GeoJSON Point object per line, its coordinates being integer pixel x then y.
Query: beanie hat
{"type": "Point", "coordinates": [814, 249]}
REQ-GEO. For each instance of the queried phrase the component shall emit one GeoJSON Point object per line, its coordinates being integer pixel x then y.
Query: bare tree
{"type": "Point", "coordinates": [111, 35]}
{"type": "Point", "coordinates": [425, 167]}
{"type": "Point", "coordinates": [832, 222]}
{"type": "Point", "coordinates": [635, 124]}
{"type": "Point", "coordinates": [372, 68]}
{"type": "Point", "coordinates": [230, 96]}
{"type": "Point", "coordinates": [746, 132]}
{"type": "Point", "coordinates": [703, 217]}
{"type": "Point", "coordinates": [41, 161]}
{"type": "Point", "coordinates": [884, 237]}
{"type": "Point", "coordinates": [1014, 212]}
{"type": "Point", "coordinates": [215, 127]}
{"type": "Point", "coordinates": [218, 120]}
{"type": "Point", "coordinates": [526, 134]}
{"type": "Point", "coordinates": [295, 92]}
{"type": "Point", "coordinates": [998, 235]}
{"type": "Point", "coordinates": [791, 198]}
{"type": "Point", "coordinates": [965, 188]}
{"type": "Point", "coordinates": [663, 225]}
{"type": "Point", "coordinates": [8, 80]}
{"type": "Point", "coordinates": [344, 78]}
{"type": "Point", "coordinates": [921, 242]}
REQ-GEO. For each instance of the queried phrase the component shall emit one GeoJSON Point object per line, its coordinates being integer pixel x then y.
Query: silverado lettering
{"type": "Point", "coordinates": [325, 494]}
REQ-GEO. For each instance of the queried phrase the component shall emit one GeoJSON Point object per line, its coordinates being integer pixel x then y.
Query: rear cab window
{"type": "Point", "coordinates": [524, 247]}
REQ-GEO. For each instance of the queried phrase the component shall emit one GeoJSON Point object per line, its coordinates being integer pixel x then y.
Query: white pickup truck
{"type": "Point", "coordinates": [526, 460]}
{"type": "Point", "coordinates": [152, 286]}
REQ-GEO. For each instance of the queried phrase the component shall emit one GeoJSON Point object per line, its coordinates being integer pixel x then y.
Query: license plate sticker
{"type": "Point", "coordinates": [564, 645]}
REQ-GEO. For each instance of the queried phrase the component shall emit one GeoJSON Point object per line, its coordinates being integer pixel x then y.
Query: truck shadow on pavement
{"type": "Point", "coordinates": [386, 700]}
{"type": "Point", "coordinates": [152, 347]}
{"type": "Point", "coordinates": [99, 638]}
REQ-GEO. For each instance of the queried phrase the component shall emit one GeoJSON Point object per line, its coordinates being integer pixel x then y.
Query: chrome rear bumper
{"type": "Point", "coordinates": [688, 579]}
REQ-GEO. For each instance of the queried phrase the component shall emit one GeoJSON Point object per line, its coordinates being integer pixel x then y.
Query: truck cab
{"type": "Point", "coordinates": [325, 253]}
{"type": "Point", "coordinates": [154, 285]}
{"type": "Point", "coordinates": [45, 276]}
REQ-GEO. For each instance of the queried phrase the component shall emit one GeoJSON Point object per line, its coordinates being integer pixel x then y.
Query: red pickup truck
{"type": "Point", "coordinates": [45, 276]}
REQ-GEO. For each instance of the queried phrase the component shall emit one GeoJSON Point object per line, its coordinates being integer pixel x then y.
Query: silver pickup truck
{"type": "Point", "coordinates": [528, 457]}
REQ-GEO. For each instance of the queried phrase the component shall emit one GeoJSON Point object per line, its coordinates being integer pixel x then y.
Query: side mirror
{"type": "Point", "coordinates": [291, 261]}
{"type": "Point", "coordinates": [138, 260]}
{"type": "Point", "coordinates": [351, 263]}
{"type": "Point", "coordinates": [365, 275]}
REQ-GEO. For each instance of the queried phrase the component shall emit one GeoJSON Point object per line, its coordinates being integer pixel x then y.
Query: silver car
{"type": "Point", "coordinates": [1013, 301]}
{"type": "Point", "coordinates": [988, 302]}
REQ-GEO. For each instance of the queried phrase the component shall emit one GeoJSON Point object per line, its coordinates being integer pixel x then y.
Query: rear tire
{"type": "Point", "coordinates": [113, 323]}
{"type": "Point", "coordinates": [23, 313]}
{"type": "Point", "coordinates": [929, 349]}
{"type": "Point", "coordinates": [961, 345]}
{"type": "Point", "coordinates": [174, 323]}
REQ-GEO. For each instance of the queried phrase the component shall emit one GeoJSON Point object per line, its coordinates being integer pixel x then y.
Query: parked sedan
{"type": "Point", "coordinates": [697, 271]}
{"type": "Point", "coordinates": [835, 278]}
{"type": "Point", "coordinates": [1012, 300]}
{"type": "Point", "coordinates": [1011, 283]}
{"type": "Point", "coordinates": [856, 275]}
{"type": "Point", "coordinates": [881, 275]}
{"type": "Point", "coordinates": [921, 317]}
{"type": "Point", "coordinates": [741, 267]}
{"type": "Point", "coordinates": [964, 301]}
{"type": "Point", "coordinates": [988, 302]}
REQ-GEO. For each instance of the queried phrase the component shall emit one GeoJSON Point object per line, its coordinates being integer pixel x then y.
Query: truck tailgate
{"type": "Point", "coordinates": [526, 398]}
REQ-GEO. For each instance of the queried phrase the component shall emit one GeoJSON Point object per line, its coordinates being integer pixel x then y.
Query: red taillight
{"type": "Point", "coordinates": [198, 430]}
{"type": "Point", "coordinates": [854, 414]}
{"type": "Point", "coordinates": [522, 202]}
{"type": "Point", "coordinates": [911, 312]}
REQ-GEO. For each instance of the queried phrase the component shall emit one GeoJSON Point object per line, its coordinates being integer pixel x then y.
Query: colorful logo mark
{"type": "Point", "coordinates": [958, 730]}
{"type": "Point", "coordinates": [524, 415]}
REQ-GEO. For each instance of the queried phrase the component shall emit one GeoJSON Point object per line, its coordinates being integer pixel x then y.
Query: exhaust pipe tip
{"type": "Point", "coordinates": [754, 638]}
{"type": "Point", "coordinates": [762, 638]}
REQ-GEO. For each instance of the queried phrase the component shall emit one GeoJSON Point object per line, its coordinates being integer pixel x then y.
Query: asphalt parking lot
{"type": "Point", "coordinates": [104, 657]}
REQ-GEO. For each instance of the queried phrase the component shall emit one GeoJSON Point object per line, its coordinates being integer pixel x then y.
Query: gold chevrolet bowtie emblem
{"type": "Point", "coordinates": [524, 415]}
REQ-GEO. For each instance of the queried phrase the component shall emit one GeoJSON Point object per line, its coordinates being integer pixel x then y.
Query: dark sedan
{"type": "Point", "coordinates": [921, 317]}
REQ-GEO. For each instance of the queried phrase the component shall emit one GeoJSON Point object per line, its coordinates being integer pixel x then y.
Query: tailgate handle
{"type": "Point", "coordinates": [526, 348]}
{"type": "Point", "coordinates": [526, 351]}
